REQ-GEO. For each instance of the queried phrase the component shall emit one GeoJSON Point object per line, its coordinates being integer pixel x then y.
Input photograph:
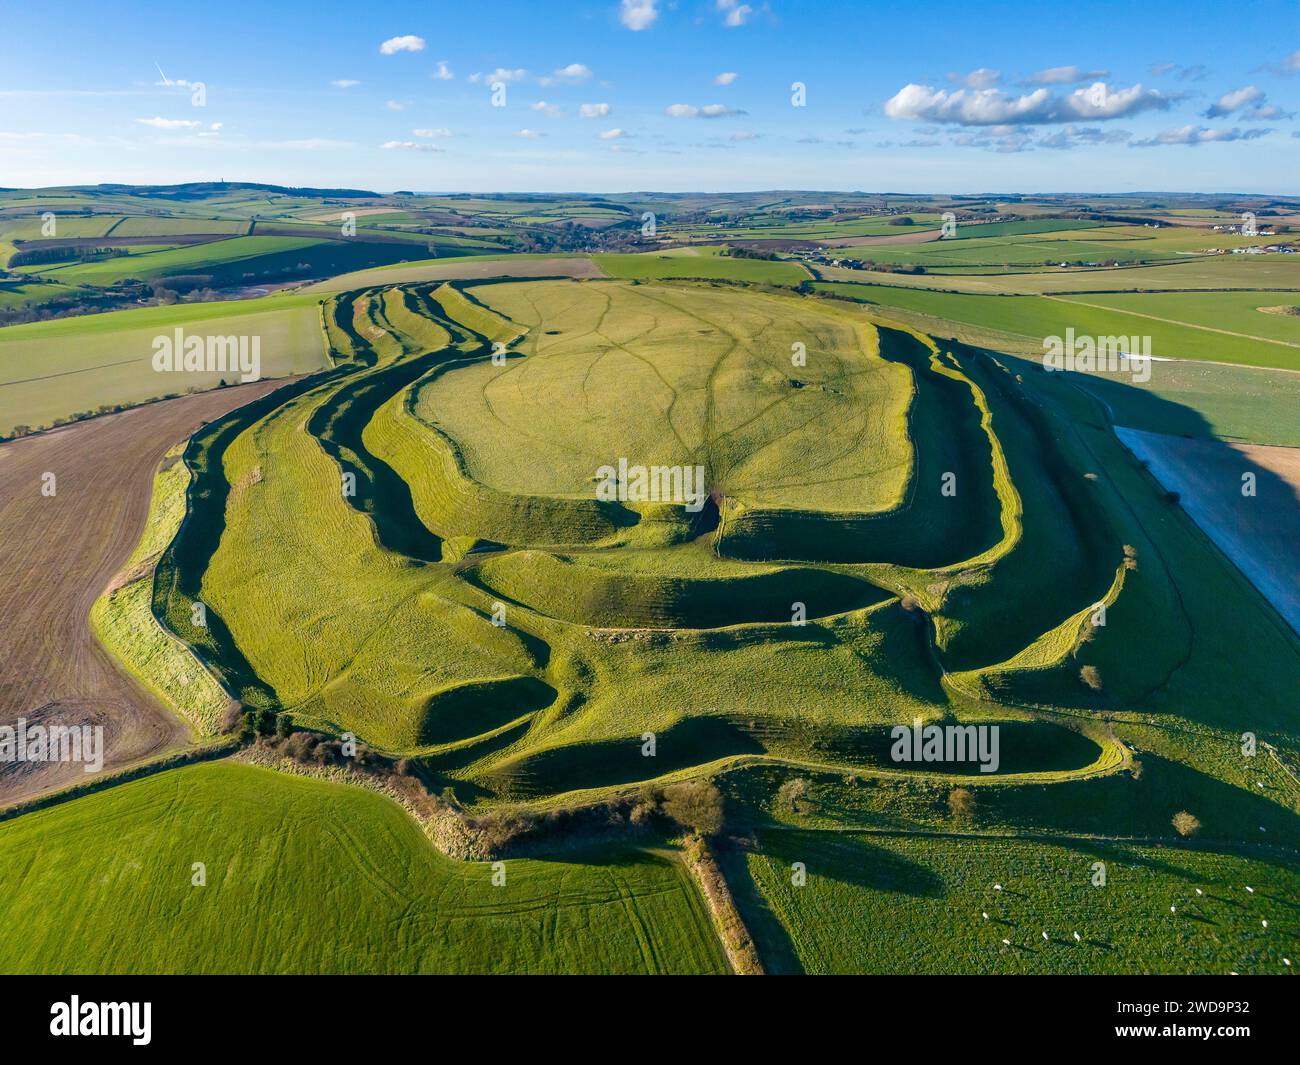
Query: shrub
{"type": "Point", "coordinates": [792, 795]}
{"type": "Point", "coordinates": [696, 805]}
{"type": "Point", "coordinates": [1091, 676]}
{"type": "Point", "coordinates": [1185, 824]}
{"type": "Point", "coordinates": [961, 803]}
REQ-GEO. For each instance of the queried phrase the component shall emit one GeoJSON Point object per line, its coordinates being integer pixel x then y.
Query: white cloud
{"type": "Point", "coordinates": [396, 105]}
{"type": "Point", "coordinates": [612, 134]}
{"type": "Point", "coordinates": [991, 107]}
{"type": "Point", "coordinates": [570, 75]}
{"type": "Point", "coordinates": [169, 123]}
{"type": "Point", "coordinates": [1099, 102]}
{"type": "Point", "coordinates": [593, 110]}
{"type": "Point", "coordinates": [1193, 135]}
{"type": "Point", "coordinates": [443, 72]}
{"type": "Point", "coordinates": [638, 14]}
{"type": "Point", "coordinates": [529, 134]}
{"type": "Point", "coordinates": [983, 78]}
{"type": "Point", "coordinates": [726, 78]}
{"type": "Point", "coordinates": [1234, 101]}
{"type": "Point", "coordinates": [744, 135]}
{"type": "Point", "coordinates": [440, 131]}
{"type": "Point", "coordinates": [737, 14]}
{"type": "Point", "coordinates": [411, 146]}
{"type": "Point", "coordinates": [345, 83]}
{"type": "Point", "coordinates": [408, 43]}
{"type": "Point", "coordinates": [707, 111]}
{"type": "Point", "coordinates": [500, 74]}
{"type": "Point", "coordinates": [1070, 75]}
{"type": "Point", "coordinates": [549, 110]}
{"type": "Point", "coordinates": [1289, 65]}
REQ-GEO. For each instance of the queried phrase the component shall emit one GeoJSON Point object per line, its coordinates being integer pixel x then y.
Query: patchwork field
{"type": "Point", "coordinates": [629, 553]}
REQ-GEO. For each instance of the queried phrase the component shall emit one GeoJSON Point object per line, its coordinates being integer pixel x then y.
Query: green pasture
{"type": "Point", "coordinates": [889, 903]}
{"type": "Point", "coordinates": [61, 368]}
{"type": "Point", "coordinates": [305, 876]}
{"type": "Point", "coordinates": [1037, 317]}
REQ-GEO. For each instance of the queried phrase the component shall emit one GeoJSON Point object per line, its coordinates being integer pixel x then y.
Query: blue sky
{"type": "Point", "coordinates": [626, 95]}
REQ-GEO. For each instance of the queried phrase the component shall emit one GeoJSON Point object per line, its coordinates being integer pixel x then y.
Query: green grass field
{"type": "Point", "coordinates": [894, 904]}
{"type": "Point", "coordinates": [304, 876]}
{"type": "Point", "coordinates": [649, 265]}
{"type": "Point", "coordinates": [1037, 317]}
{"type": "Point", "coordinates": [58, 369]}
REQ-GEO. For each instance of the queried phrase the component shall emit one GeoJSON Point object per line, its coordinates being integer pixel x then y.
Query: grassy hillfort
{"type": "Point", "coordinates": [558, 595]}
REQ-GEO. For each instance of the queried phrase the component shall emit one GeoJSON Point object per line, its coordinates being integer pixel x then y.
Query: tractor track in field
{"type": "Point", "coordinates": [57, 554]}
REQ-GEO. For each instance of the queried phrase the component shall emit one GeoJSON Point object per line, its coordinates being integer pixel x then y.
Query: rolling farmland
{"type": "Point", "coordinates": [619, 560]}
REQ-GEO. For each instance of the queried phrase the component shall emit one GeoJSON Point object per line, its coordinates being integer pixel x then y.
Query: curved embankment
{"type": "Point", "coordinates": [415, 607]}
{"type": "Point", "coordinates": [562, 587]}
{"type": "Point", "coordinates": [59, 552]}
{"type": "Point", "coordinates": [950, 511]}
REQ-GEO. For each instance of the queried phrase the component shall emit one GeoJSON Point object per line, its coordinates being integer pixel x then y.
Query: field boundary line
{"type": "Point", "coordinates": [1174, 321]}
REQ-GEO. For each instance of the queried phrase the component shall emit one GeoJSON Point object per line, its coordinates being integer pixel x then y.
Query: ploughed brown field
{"type": "Point", "coordinates": [58, 553]}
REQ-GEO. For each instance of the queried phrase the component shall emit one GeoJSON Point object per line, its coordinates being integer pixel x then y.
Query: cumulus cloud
{"type": "Point", "coordinates": [1193, 135]}
{"type": "Point", "coordinates": [1234, 101]}
{"type": "Point", "coordinates": [737, 14]}
{"type": "Point", "coordinates": [638, 14]}
{"type": "Point", "coordinates": [549, 110]}
{"type": "Point", "coordinates": [573, 73]}
{"type": "Point", "coordinates": [1287, 67]}
{"type": "Point", "coordinates": [529, 134]}
{"type": "Point", "coordinates": [169, 123]}
{"type": "Point", "coordinates": [344, 83]}
{"type": "Point", "coordinates": [707, 111]}
{"type": "Point", "coordinates": [1249, 104]}
{"type": "Point", "coordinates": [726, 78]}
{"type": "Point", "coordinates": [504, 74]}
{"type": "Point", "coordinates": [983, 78]}
{"type": "Point", "coordinates": [612, 134]}
{"type": "Point", "coordinates": [442, 72]}
{"type": "Point", "coordinates": [440, 131]}
{"type": "Point", "coordinates": [1070, 75]}
{"type": "Point", "coordinates": [410, 146]}
{"type": "Point", "coordinates": [990, 107]}
{"type": "Point", "coordinates": [397, 105]}
{"type": "Point", "coordinates": [407, 43]}
{"type": "Point", "coordinates": [593, 110]}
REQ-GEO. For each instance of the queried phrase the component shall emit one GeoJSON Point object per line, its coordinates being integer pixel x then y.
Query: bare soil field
{"type": "Point", "coordinates": [1257, 532]}
{"type": "Point", "coordinates": [925, 236]}
{"type": "Point", "coordinates": [58, 552]}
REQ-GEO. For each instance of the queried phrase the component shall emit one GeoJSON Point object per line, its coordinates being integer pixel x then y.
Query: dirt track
{"type": "Point", "coordinates": [57, 554]}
